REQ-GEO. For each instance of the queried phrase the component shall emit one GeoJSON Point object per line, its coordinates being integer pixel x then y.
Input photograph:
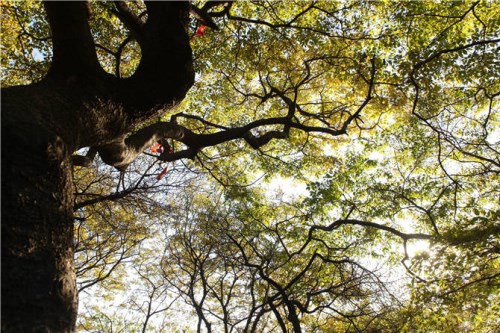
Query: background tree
{"type": "Point", "coordinates": [413, 84]}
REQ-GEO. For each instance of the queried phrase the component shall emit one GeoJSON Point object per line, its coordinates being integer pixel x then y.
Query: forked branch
{"type": "Point", "coordinates": [73, 45]}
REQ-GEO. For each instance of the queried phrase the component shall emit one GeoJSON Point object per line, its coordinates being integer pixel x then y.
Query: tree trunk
{"type": "Point", "coordinates": [76, 105]}
{"type": "Point", "coordinates": [38, 280]}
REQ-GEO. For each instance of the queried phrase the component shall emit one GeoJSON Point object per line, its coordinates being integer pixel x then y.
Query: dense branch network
{"type": "Point", "coordinates": [444, 136]}
{"type": "Point", "coordinates": [79, 105]}
{"type": "Point", "coordinates": [125, 150]}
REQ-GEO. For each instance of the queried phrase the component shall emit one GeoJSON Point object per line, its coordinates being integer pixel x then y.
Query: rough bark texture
{"type": "Point", "coordinates": [38, 282]}
{"type": "Point", "coordinates": [76, 105]}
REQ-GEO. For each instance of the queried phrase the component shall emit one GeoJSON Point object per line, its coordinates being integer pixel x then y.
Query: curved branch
{"type": "Point", "coordinates": [365, 102]}
{"type": "Point", "coordinates": [25, 31]}
{"type": "Point", "coordinates": [197, 141]}
{"type": "Point", "coordinates": [470, 283]}
{"type": "Point", "coordinates": [204, 17]}
{"type": "Point", "coordinates": [455, 49]}
{"type": "Point", "coordinates": [125, 150]}
{"type": "Point", "coordinates": [292, 23]}
{"type": "Point", "coordinates": [111, 197]}
{"type": "Point", "coordinates": [198, 118]}
{"type": "Point", "coordinates": [129, 19]}
{"type": "Point", "coordinates": [393, 231]}
{"type": "Point", "coordinates": [122, 152]}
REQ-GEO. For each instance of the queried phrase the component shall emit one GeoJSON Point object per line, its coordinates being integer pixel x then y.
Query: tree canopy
{"type": "Point", "coordinates": [334, 167]}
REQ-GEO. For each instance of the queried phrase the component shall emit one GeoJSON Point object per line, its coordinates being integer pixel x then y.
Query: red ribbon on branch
{"type": "Point", "coordinates": [158, 148]}
{"type": "Point", "coordinates": [162, 173]}
{"type": "Point", "coordinates": [200, 32]}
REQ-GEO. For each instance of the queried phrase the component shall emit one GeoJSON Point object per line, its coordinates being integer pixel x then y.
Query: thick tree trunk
{"type": "Point", "coordinates": [38, 280]}
{"type": "Point", "coordinates": [76, 105]}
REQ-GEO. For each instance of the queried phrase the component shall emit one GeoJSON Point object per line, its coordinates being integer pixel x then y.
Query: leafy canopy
{"type": "Point", "coordinates": [396, 142]}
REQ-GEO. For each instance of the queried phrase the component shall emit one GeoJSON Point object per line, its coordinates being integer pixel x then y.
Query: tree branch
{"type": "Point", "coordinates": [129, 19]}
{"type": "Point", "coordinates": [204, 17]}
{"type": "Point", "coordinates": [393, 231]}
{"type": "Point", "coordinates": [437, 54]}
{"type": "Point", "coordinates": [73, 46]}
{"type": "Point", "coordinates": [124, 151]}
{"type": "Point", "coordinates": [165, 72]}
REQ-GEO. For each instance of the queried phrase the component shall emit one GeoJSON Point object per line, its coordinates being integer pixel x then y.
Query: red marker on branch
{"type": "Point", "coordinates": [200, 31]}
{"type": "Point", "coordinates": [157, 148]}
{"type": "Point", "coordinates": [162, 173]}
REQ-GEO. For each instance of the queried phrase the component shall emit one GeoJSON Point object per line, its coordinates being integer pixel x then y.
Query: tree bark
{"type": "Point", "coordinates": [76, 105]}
{"type": "Point", "coordinates": [38, 280]}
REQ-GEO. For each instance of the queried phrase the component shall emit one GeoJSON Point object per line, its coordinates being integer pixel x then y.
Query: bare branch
{"type": "Point", "coordinates": [438, 54]}
{"type": "Point", "coordinates": [133, 23]}
{"type": "Point", "coordinates": [393, 231]}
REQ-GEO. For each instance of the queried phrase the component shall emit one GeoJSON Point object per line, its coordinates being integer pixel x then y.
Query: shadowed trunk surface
{"type": "Point", "coordinates": [76, 105]}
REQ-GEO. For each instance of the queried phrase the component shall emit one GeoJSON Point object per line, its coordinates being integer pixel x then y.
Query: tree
{"type": "Point", "coordinates": [249, 269]}
{"type": "Point", "coordinates": [92, 109]}
{"type": "Point", "coordinates": [412, 84]}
